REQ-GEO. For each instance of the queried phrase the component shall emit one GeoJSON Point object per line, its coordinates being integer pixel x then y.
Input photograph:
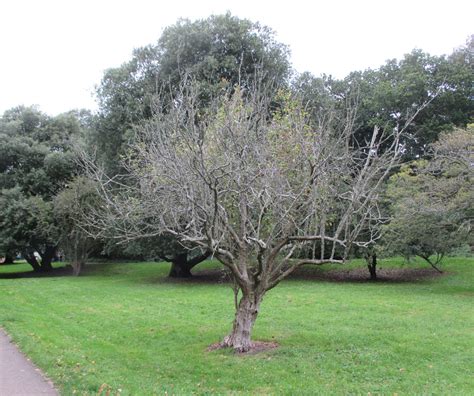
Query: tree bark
{"type": "Point", "coordinates": [371, 259]}
{"type": "Point", "coordinates": [246, 314]}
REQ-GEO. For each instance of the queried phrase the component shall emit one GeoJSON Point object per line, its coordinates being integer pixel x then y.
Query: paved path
{"type": "Point", "coordinates": [18, 376]}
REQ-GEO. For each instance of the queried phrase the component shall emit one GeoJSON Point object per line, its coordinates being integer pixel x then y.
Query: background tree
{"type": "Point", "coordinates": [251, 184]}
{"type": "Point", "coordinates": [168, 248]}
{"type": "Point", "coordinates": [163, 247]}
{"type": "Point", "coordinates": [432, 201]}
{"type": "Point", "coordinates": [388, 95]}
{"type": "Point", "coordinates": [35, 164]}
{"type": "Point", "coordinates": [26, 226]}
{"type": "Point", "coordinates": [69, 205]}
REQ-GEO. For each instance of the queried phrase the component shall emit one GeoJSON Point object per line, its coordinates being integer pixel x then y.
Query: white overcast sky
{"type": "Point", "coordinates": [53, 53]}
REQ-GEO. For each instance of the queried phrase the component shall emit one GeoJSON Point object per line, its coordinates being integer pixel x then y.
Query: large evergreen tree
{"type": "Point", "coordinates": [35, 164]}
{"type": "Point", "coordinates": [219, 51]}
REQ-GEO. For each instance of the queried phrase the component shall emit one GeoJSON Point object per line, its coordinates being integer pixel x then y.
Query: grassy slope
{"type": "Point", "coordinates": [127, 326]}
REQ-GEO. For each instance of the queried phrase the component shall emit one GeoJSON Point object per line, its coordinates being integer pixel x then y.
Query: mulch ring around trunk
{"type": "Point", "coordinates": [257, 347]}
{"type": "Point", "coordinates": [338, 274]}
{"type": "Point", "coordinates": [395, 275]}
{"type": "Point", "coordinates": [55, 272]}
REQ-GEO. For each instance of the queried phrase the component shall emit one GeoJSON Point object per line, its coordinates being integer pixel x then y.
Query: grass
{"type": "Point", "coordinates": [127, 329]}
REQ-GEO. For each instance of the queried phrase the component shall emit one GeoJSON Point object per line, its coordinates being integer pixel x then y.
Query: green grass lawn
{"type": "Point", "coordinates": [129, 329]}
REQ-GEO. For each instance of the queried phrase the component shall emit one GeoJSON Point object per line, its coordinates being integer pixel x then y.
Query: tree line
{"type": "Point", "coordinates": [208, 144]}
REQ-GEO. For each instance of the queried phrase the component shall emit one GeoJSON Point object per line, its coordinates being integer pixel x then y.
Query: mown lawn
{"type": "Point", "coordinates": [128, 329]}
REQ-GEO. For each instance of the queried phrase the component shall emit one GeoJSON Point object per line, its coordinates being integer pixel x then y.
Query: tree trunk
{"type": "Point", "coordinates": [8, 259]}
{"type": "Point", "coordinates": [77, 267]}
{"type": "Point", "coordinates": [433, 264]}
{"type": "Point", "coordinates": [181, 266]}
{"type": "Point", "coordinates": [245, 317]}
{"type": "Point", "coordinates": [31, 260]}
{"type": "Point", "coordinates": [47, 258]}
{"type": "Point", "coordinates": [371, 259]}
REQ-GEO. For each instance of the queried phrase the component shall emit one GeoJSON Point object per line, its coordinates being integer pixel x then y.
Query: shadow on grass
{"type": "Point", "coordinates": [200, 277]}
{"type": "Point", "coordinates": [55, 272]}
{"type": "Point", "coordinates": [217, 275]}
{"type": "Point", "coordinates": [100, 268]}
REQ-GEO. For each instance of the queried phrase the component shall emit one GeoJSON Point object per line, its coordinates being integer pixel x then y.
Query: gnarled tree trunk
{"type": "Point", "coordinates": [44, 265]}
{"type": "Point", "coordinates": [181, 266]}
{"type": "Point", "coordinates": [246, 314]}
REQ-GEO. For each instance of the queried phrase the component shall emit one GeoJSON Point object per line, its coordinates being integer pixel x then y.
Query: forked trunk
{"type": "Point", "coordinates": [245, 317]}
{"type": "Point", "coordinates": [181, 265]}
{"type": "Point", "coordinates": [44, 264]}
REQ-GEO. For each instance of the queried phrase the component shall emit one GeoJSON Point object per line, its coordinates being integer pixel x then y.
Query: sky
{"type": "Point", "coordinates": [54, 52]}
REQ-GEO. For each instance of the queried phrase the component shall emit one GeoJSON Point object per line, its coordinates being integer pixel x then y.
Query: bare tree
{"type": "Point", "coordinates": [253, 185]}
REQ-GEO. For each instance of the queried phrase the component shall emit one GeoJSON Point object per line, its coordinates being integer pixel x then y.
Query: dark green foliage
{"type": "Point", "coordinates": [388, 96]}
{"type": "Point", "coordinates": [221, 48]}
{"type": "Point", "coordinates": [26, 226]}
{"type": "Point", "coordinates": [35, 164]}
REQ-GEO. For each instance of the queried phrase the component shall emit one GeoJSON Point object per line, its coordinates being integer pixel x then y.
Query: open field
{"type": "Point", "coordinates": [129, 329]}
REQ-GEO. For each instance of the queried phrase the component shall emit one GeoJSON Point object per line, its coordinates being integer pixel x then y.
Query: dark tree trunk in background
{"type": "Point", "coordinates": [181, 266]}
{"type": "Point", "coordinates": [371, 259]}
{"type": "Point", "coordinates": [47, 258]}
{"type": "Point", "coordinates": [245, 316]}
{"type": "Point", "coordinates": [31, 260]}
{"type": "Point", "coordinates": [8, 259]}
{"type": "Point", "coordinates": [77, 267]}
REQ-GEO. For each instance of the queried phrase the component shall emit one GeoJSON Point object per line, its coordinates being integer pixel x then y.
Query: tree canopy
{"type": "Point", "coordinates": [35, 164]}
{"type": "Point", "coordinates": [431, 201]}
{"type": "Point", "coordinates": [390, 94]}
{"type": "Point", "coordinates": [219, 51]}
